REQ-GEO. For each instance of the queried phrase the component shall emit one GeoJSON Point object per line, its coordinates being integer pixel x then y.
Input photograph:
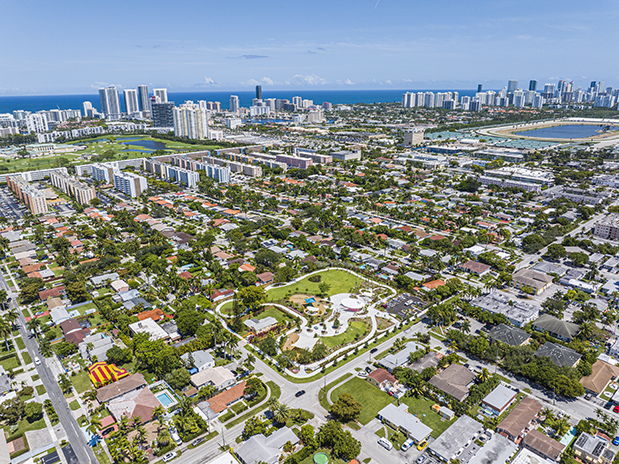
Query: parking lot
{"type": "Point", "coordinates": [403, 305]}
{"type": "Point", "coordinates": [10, 208]}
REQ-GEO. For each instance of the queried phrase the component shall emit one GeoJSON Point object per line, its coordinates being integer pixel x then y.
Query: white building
{"type": "Point", "coordinates": [37, 123]}
{"type": "Point", "coordinates": [161, 95]}
{"type": "Point", "coordinates": [110, 104]}
{"type": "Point", "coordinates": [191, 121]}
{"type": "Point", "coordinates": [129, 183]}
{"type": "Point", "coordinates": [131, 101]}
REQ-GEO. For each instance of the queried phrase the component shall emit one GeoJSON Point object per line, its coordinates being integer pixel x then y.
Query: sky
{"type": "Point", "coordinates": [72, 47]}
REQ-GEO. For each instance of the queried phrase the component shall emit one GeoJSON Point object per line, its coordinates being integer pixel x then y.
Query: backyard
{"type": "Point", "coordinates": [374, 399]}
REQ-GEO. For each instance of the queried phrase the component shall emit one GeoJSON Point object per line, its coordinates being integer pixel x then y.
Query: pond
{"type": "Point", "coordinates": [150, 144]}
{"type": "Point", "coordinates": [566, 131]}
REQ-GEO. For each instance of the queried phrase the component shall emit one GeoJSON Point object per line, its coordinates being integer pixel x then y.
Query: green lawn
{"type": "Point", "coordinates": [27, 358]}
{"type": "Point", "coordinates": [74, 405]}
{"type": "Point", "coordinates": [20, 343]}
{"type": "Point", "coordinates": [356, 331]}
{"type": "Point", "coordinates": [422, 408]}
{"type": "Point", "coordinates": [276, 392]}
{"type": "Point", "coordinates": [81, 382]}
{"type": "Point", "coordinates": [10, 363]}
{"type": "Point", "coordinates": [40, 389]}
{"type": "Point", "coordinates": [394, 436]}
{"type": "Point", "coordinates": [24, 426]}
{"type": "Point", "coordinates": [371, 398]}
{"type": "Point", "coordinates": [322, 399]}
{"type": "Point", "coordinates": [102, 456]}
{"type": "Point", "coordinates": [339, 281]}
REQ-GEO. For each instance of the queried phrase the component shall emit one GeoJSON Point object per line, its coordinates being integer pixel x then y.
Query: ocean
{"type": "Point", "coordinates": [65, 102]}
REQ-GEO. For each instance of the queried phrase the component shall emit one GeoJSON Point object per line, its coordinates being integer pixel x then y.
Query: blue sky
{"type": "Point", "coordinates": [55, 47]}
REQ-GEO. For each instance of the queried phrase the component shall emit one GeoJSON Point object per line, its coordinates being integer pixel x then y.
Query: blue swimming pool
{"type": "Point", "coordinates": [165, 399]}
{"type": "Point", "coordinates": [310, 300]}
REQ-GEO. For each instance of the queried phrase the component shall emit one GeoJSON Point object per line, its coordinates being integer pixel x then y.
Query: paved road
{"type": "Point", "coordinates": [80, 452]}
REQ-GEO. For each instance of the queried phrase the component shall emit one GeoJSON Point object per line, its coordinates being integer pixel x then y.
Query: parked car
{"type": "Point", "coordinates": [168, 457]}
{"type": "Point", "coordinates": [362, 374]}
{"type": "Point", "coordinates": [422, 445]}
{"type": "Point", "coordinates": [616, 441]}
{"type": "Point", "coordinates": [373, 350]}
{"type": "Point", "coordinates": [37, 361]}
{"type": "Point", "coordinates": [299, 393]}
{"type": "Point", "coordinates": [368, 369]}
{"type": "Point", "coordinates": [616, 408]}
{"type": "Point", "coordinates": [407, 444]}
{"type": "Point", "coordinates": [382, 441]}
{"type": "Point", "coordinates": [421, 459]}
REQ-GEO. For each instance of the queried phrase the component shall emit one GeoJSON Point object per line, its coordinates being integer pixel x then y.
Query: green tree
{"type": "Point", "coordinates": [179, 378]}
{"type": "Point", "coordinates": [252, 297]}
{"type": "Point", "coordinates": [555, 251]}
{"type": "Point", "coordinates": [346, 408]}
{"type": "Point", "coordinates": [188, 321]}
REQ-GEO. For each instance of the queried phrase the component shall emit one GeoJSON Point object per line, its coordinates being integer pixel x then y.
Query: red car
{"type": "Point", "coordinates": [616, 408]}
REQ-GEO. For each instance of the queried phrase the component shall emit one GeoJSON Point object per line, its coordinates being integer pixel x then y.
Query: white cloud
{"type": "Point", "coordinates": [267, 81]}
{"type": "Point", "coordinates": [97, 85]}
{"type": "Point", "coordinates": [209, 81]}
{"type": "Point", "coordinates": [310, 79]}
{"type": "Point", "coordinates": [349, 82]}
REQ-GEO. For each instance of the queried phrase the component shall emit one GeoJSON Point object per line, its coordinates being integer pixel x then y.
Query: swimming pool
{"type": "Point", "coordinates": [165, 399]}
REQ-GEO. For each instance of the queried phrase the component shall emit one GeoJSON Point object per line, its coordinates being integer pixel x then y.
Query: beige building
{"type": "Point", "coordinates": [81, 192]}
{"type": "Point", "coordinates": [32, 198]}
{"type": "Point", "coordinates": [608, 227]}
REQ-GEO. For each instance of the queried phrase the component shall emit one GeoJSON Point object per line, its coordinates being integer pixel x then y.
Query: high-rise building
{"type": "Point", "coordinates": [80, 191]}
{"type": "Point", "coordinates": [191, 121]}
{"type": "Point", "coordinates": [234, 103]}
{"type": "Point", "coordinates": [297, 102]}
{"type": "Point", "coordinates": [533, 85]}
{"type": "Point", "coordinates": [162, 114]}
{"type": "Point", "coordinates": [161, 94]}
{"type": "Point", "coordinates": [36, 123]}
{"type": "Point", "coordinates": [259, 92]}
{"type": "Point", "coordinates": [110, 103]}
{"type": "Point", "coordinates": [512, 85]}
{"type": "Point", "coordinates": [144, 100]}
{"type": "Point", "coordinates": [131, 101]}
{"type": "Point", "coordinates": [479, 87]}
{"type": "Point", "coordinates": [129, 183]}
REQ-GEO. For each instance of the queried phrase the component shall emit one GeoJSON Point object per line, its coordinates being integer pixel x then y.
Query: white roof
{"type": "Point", "coordinates": [218, 376]}
{"type": "Point", "coordinates": [305, 342]}
{"type": "Point", "coordinates": [400, 416]}
{"type": "Point", "coordinates": [499, 397]}
{"type": "Point", "coordinates": [118, 284]}
{"type": "Point", "coordinates": [59, 314]}
{"type": "Point", "coordinates": [150, 327]}
{"type": "Point", "coordinates": [258, 325]}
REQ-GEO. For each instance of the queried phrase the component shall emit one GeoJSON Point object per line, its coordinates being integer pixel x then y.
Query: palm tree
{"type": "Point", "coordinates": [548, 413]}
{"type": "Point", "coordinates": [163, 437]}
{"type": "Point", "coordinates": [34, 325]}
{"type": "Point", "coordinates": [5, 331]}
{"type": "Point", "coordinates": [561, 427]}
{"type": "Point", "coordinates": [484, 375]}
{"type": "Point", "coordinates": [281, 414]}
{"type": "Point", "coordinates": [94, 426]}
{"type": "Point", "coordinates": [273, 404]}
{"type": "Point", "coordinates": [158, 412]}
{"type": "Point", "coordinates": [465, 326]}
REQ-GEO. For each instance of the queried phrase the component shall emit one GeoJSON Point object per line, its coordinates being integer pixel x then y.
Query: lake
{"type": "Point", "coordinates": [149, 144]}
{"type": "Point", "coordinates": [566, 131]}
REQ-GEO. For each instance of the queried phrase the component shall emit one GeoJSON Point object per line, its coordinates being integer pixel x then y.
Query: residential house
{"type": "Point", "coordinates": [543, 445]}
{"type": "Point", "coordinates": [454, 381]}
{"type": "Point", "coordinates": [220, 377]}
{"type": "Point", "coordinates": [150, 327]}
{"type": "Point", "coordinates": [260, 326]}
{"type": "Point", "coordinates": [561, 355]}
{"type": "Point", "coordinates": [381, 378]}
{"type": "Point", "coordinates": [120, 387]}
{"type": "Point", "coordinates": [399, 359]}
{"type": "Point", "coordinates": [475, 267]}
{"type": "Point", "coordinates": [557, 328]}
{"type": "Point", "coordinates": [509, 335]}
{"type": "Point", "coordinates": [593, 449]}
{"type": "Point", "coordinates": [263, 449]}
{"type": "Point", "coordinates": [265, 278]}
{"type": "Point", "coordinates": [452, 441]}
{"type": "Point", "coordinates": [520, 419]}
{"type": "Point", "coordinates": [601, 373]}
{"type": "Point", "coordinates": [399, 418]}
{"type": "Point", "coordinates": [95, 346]}
{"type": "Point", "coordinates": [538, 281]}
{"type": "Point", "coordinates": [498, 400]}
{"type": "Point", "coordinates": [201, 360]}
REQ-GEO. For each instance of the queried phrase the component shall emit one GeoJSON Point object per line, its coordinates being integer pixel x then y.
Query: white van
{"type": "Point", "coordinates": [407, 444]}
{"type": "Point", "coordinates": [382, 441]}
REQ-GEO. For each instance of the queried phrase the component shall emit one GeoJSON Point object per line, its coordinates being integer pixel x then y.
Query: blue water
{"type": "Point", "coordinates": [136, 150]}
{"type": "Point", "coordinates": [150, 144]}
{"type": "Point", "coordinates": [568, 131]}
{"type": "Point", "coordinates": [165, 399]}
{"type": "Point", "coordinates": [64, 102]}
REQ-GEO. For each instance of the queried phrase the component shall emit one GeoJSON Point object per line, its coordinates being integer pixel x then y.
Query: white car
{"type": "Point", "coordinates": [382, 441]}
{"type": "Point", "coordinates": [37, 361]}
{"type": "Point", "coordinates": [168, 457]}
{"type": "Point", "coordinates": [362, 374]}
{"type": "Point", "coordinates": [407, 444]}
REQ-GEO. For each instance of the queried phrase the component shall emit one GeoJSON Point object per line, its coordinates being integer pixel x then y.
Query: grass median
{"type": "Point", "coordinates": [276, 392]}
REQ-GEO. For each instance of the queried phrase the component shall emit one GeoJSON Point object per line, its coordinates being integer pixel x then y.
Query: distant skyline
{"type": "Point", "coordinates": [66, 47]}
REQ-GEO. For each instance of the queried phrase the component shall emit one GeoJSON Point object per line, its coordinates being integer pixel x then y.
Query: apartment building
{"type": "Point", "coordinates": [81, 192]}
{"type": "Point", "coordinates": [32, 198]}
{"type": "Point", "coordinates": [129, 183]}
{"type": "Point", "coordinates": [608, 227]}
